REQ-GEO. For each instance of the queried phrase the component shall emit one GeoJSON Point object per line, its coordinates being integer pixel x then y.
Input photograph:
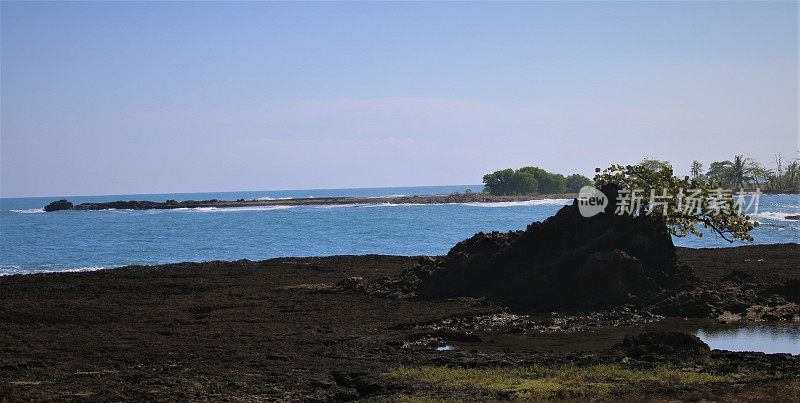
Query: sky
{"type": "Point", "coordinates": [122, 98]}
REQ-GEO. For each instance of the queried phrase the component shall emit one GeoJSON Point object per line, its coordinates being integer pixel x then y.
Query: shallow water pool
{"type": "Point", "coordinates": [766, 338]}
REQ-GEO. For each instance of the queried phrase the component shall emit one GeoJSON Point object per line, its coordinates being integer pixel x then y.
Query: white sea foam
{"type": "Point", "coordinates": [14, 269]}
{"type": "Point", "coordinates": [538, 202]}
{"type": "Point", "coordinates": [233, 209]}
{"type": "Point", "coordinates": [333, 206]}
{"type": "Point", "coordinates": [86, 268]}
{"type": "Point", "coordinates": [201, 209]}
{"type": "Point", "coordinates": [265, 198]}
{"type": "Point", "coordinates": [370, 205]}
{"type": "Point", "coordinates": [396, 204]}
{"type": "Point", "coordinates": [775, 216]}
{"type": "Point", "coordinates": [29, 211]}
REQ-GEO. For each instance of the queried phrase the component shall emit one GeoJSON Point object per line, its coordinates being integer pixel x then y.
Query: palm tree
{"type": "Point", "coordinates": [791, 177]}
{"type": "Point", "coordinates": [697, 169]}
{"type": "Point", "coordinates": [759, 174]}
{"type": "Point", "coordinates": [741, 170]}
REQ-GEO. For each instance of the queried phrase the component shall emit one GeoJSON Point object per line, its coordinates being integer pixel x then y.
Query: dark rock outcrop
{"type": "Point", "coordinates": [737, 296]}
{"type": "Point", "coordinates": [662, 343]}
{"type": "Point", "coordinates": [59, 205]}
{"type": "Point", "coordinates": [567, 262]}
{"type": "Point", "coordinates": [310, 201]}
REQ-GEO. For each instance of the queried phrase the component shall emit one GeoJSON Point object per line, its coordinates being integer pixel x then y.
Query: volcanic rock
{"type": "Point", "coordinates": [59, 205]}
{"type": "Point", "coordinates": [660, 343]}
{"type": "Point", "coordinates": [567, 263]}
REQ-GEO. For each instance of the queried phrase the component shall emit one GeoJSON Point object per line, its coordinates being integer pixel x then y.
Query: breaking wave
{"type": "Point", "coordinates": [29, 211]}
{"type": "Point", "coordinates": [775, 216]}
{"type": "Point", "coordinates": [538, 202]}
{"type": "Point", "coordinates": [14, 269]}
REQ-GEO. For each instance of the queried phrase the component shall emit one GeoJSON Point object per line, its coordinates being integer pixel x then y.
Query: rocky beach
{"type": "Point", "coordinates": [279, 329]}
{"type": "Point", "coordinates": [399, 201]}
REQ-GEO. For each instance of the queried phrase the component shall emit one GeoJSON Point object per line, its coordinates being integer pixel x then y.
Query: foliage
{"type": "Point", "coordinates": [696, 170]}
{"type": "Point", "coordinates": [744, 173]}
{"type": "Point", "coordinates": [554, 382]}
{"type": "Point", "coordinates": [790, 180]}
{"type": "Point", "coordinates": [509, 182]}
{"type": "Point", "coordinates": [548, 182]}
{"type": "Point", "coordinates": [654, 164]}
{"type": "Point", "coordinates": [575, 182]}
{"type": "Point", "coordinates": [525, 181]}
{"type": "Point", "coordinates": [720, 172]}
{"type": "Point", "coordinates": [740, 170]}
{"type": "Point", "coordinates": [664, 196]}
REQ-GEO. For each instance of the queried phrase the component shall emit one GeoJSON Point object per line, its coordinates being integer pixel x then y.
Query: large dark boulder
{"type": "Point", "coordinates": [565, 263]}
{"type": "Point", "coordinates": [58, 205]}
{"type": "Point", "coordinates": [662, 343]}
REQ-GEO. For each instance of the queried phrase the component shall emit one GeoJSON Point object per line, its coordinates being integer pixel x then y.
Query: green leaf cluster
{"type": "Point", "coordinates": [531, 180]}
{"type": "Point", "coordinates": [665, 196]}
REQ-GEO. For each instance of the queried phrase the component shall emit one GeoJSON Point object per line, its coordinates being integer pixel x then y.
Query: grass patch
{"type": "Point", "coordinates": [420, 398]}
{"type": "Point", "coordinates": [537, 382]}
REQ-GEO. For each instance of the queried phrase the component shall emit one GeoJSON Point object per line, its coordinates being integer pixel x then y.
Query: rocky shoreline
{"type": "Point", "coordinates": [280, 330]}
{"type": "Point", "coordinates": [315, 201]}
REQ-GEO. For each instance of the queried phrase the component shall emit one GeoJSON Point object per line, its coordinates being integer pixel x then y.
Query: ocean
{"type": "Point", "coordinates": [32, 241]}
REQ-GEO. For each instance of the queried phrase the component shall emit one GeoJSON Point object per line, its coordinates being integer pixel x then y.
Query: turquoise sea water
{"type": "Point", "coordinates": [34, 241]}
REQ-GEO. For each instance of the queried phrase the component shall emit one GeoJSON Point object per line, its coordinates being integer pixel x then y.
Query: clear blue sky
{"type": "Point", "coordinates": [110, 98]}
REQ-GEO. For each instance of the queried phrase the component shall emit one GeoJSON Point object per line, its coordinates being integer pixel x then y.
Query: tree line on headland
{"type": "Point", "coordinates": [739, 173]}
{"type": "Point", "coordinates": [743, 173]}
{"type": "Point", "coordinates": [531, 180]}
{"type": "Point", "coordinates": [747, 173]}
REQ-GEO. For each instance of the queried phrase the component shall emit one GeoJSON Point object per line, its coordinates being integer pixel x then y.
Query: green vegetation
{"type": "Point", "coordinates": [576, 181]}
{"type": "Point", "coordinates": [746, 173]}
{"type": "Point", "coordinates": [420, 398]}
{"type": "Point", "coordinates": [654, 164]}
{"type": "Point", "coordinates": [564, 382]}
{"type": "Point", "coordinates": [680, 202]}
{"type": "Point", "coordinates": [531, 180]}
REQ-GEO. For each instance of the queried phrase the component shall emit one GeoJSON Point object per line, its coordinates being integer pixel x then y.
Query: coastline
{"type": "Point", "coordinates": [272, 330]}
{"type": "Point", "coordinates": [456, 198]}
{"type": "Point", "coordinates": [309, 201]}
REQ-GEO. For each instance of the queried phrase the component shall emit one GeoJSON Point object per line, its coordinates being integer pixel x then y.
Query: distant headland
{"type": "Point", "coordinates": [467, 197]}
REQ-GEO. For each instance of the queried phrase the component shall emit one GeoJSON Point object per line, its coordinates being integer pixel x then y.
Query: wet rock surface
{"type": "Point", "coordinates": [662, 343]}
{"type": "Point", "coordinates": [505, 322]}
{"type": "Point", "coordinates": [736, 297]}
{"type": "Point", "coordinates": [274, 330]}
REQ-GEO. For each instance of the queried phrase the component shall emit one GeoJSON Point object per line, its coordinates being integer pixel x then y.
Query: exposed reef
{"type": "Point", "coordinates": [310, 201]}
